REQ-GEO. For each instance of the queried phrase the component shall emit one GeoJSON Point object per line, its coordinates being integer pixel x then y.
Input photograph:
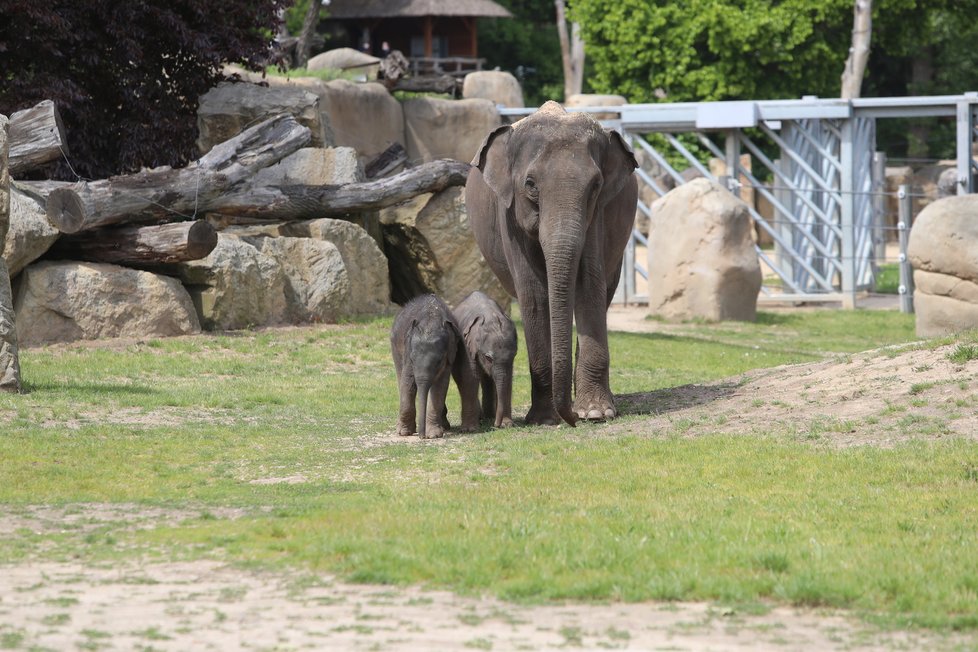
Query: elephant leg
{"type": "Point", "coordinates": [536, 332]}
{"type": "Point", "coordinates": [592, 398]}
{"type": "Point", "coordinates": [467, 381]}
{"type": "Point", "coordinates": [436, 408]}
{"type": "Point", "coordinates": [407, 414]}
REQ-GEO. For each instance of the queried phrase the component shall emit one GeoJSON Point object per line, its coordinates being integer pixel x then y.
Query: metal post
{"type": "Point", "coordinates": [847, 156]}
{"type": "Point", "coordinates": [965, 126]}
{"type": "Point", "coordinates": [903, 229]}
{"type": "Point", "coordinates": [879, 213]}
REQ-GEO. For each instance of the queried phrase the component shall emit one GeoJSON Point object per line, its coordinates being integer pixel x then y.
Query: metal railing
{"type": "Point", "coordinates": [822, 176]}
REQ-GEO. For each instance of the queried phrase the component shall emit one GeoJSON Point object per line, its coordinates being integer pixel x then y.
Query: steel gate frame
{"type": "Point", "coordinates": [827, 214]}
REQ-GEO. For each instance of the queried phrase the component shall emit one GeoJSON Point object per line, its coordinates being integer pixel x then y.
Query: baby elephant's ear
{"type": "Point", "coordinates": [492, 160]}
{"type": "Point", "coordinates": [468, 329]}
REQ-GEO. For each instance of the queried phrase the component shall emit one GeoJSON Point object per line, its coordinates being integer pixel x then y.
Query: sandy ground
{"type": "Point", "coordinates": [205, 605]}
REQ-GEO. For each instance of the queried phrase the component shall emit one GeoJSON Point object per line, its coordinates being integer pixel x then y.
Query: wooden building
{"type": "Point", "coordinates": [435, 35]}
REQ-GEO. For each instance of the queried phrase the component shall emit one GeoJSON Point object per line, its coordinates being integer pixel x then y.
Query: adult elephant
{"type": "Point", "coordinates": [551, 200]}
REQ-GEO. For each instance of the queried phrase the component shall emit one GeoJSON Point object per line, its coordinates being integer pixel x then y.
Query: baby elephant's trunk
{"type": "Point", "coordinates": [423, 388]}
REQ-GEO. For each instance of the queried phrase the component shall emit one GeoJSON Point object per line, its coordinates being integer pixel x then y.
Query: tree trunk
{"type": "Point", "coordinates": [138, 246]}
{"type": "Point", "coordinates": [36, 137]}
{"type": "Point", "coordinates": [386, 162]}
{"type": "Point", "coordinates": [300, 202]}
{"type": "Point", "coordinates": [164, 194]}
{"type": "Point", "coordinates": [862, 28]}
{"type": "Point", "coordinates": [571, 52]}
{"type": "Point", "coordinates": [304, 44]}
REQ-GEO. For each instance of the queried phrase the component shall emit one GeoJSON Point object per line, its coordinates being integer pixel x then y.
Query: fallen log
{"type": "Point", "coordinates": [138, 246]}
{"type": "Point", "coordinates": [36, 137]}
{"type": "Point", "coordinates": [300, 202]}
{"type": "Point", "coordinates": [164, 194]}
{"type": "Point", "coordinates": [386, 162]}
{"type": "Point", "coordinates": [428, 84]}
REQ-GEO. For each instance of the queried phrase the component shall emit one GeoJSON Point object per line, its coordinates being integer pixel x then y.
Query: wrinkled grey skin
{"type": "Point", "coordinates": [427, 347]}
{"type": "Point", "coordinates": [552, 201]}
{"type": "Point", "coordinates": [490, 343]}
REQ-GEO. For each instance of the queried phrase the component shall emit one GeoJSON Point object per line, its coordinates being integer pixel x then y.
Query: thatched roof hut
{"type": "Point", "coordinates": [419, 28]}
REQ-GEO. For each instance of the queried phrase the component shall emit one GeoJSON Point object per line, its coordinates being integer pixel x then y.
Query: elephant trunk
{"type": "Point", "coordinates": [424, 386]}
{"type": "Point", "coordinates": [502, 379]}
{"type": "Point", "coordinates": [562, 255]}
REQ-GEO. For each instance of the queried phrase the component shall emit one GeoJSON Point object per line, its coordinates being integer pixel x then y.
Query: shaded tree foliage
{"type": "Point", "coordinates": [126, 76]}
{"type": "Point", "coordinates": [526, 46]}
{"type": "Point", "coordinates": [703, 50]}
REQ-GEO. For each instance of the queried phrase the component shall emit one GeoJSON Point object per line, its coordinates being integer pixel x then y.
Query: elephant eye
{"type": "Point", "coordinates": [531, 188]}
{"type": "Point", "coordinates": [487, 356]}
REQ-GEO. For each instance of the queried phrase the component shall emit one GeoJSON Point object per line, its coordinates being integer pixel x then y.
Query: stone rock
{"type": "Point", "coordinates": [315, 166]}
{"type": "Point", "coordinates": [366, 264]}
{"type": "Point", "coordinates": [30, 234]}
{"type": "Point", "coordinates": [347, 60]}
{"type": "Point", "coordinates": [317, 286]}
{"type": "Point", "coordinates": [229, 108]}
{"type": "Point", "coordinates": [589, 99]}
{"type": "Point", "coordinates": [944, 256]}
{"type": "Point", "coordinates": [363, 116]}
{"type": "Point", "coordinates": [437, 128]}
{"type": "Point", "coordinates": [9, 357]}
{"type": "Point", "coordinates": [701, 257]}
{"type": "Point", "coordinates": [500, 87]}
{"type": "Point", "coordinates": [62, 301]}
{"type": "Point", "coordinates": [9, 349]}
{"type": "Point", "coordinates": [235, 287]}
{"type": "Point", "coordinates": [431, 249]}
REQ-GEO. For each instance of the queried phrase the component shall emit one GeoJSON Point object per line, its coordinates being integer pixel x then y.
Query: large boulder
{"type": "Point", "coordinates": [229, 108]}
{"type": "Point", "coordinates": [502, 88]}
{"type": "Point", "coordinates": [346, 60]}
{"type": "Point", "coordinates": [584, 100]}
{"type": "Point", "coordinates": [314, 166]}
{"type": "Point", "coordinates": [437, 128]}
{"type": "Point", "coordinates": [363, 116]}
{"type": "Point", "coordinates": [317, 285]}
{"type": "Point", "coordinates": [701, 257]}
{"type": "Point", "coordinates": [431, 249]}
{"type": "Point", "coordinates": [366, 264]}
{"type": "Point", "coordinates": [235, 287]}
{"type": "Point", "coordinates": [62, 301]}
{"type": "Point", "coordinates": [30, 234]}
{"type": "Point", "coordinates": [944, 256]}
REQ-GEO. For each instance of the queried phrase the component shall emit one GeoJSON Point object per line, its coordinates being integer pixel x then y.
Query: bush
{"type": "Point", "coordinates": [126, 75]}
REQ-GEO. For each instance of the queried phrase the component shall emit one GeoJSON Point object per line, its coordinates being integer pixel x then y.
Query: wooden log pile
{"type": "Point", "coordinates": [155, 216]}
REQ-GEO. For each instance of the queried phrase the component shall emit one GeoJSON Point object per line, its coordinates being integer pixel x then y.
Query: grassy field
{"type": "Point", "coordinates": [275, 449]}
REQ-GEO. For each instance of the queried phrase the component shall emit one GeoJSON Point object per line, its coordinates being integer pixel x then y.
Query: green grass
{"type": "Point", "coordinates": [529, 514]}
{"type": "Point", "coordinates": [888, 278]}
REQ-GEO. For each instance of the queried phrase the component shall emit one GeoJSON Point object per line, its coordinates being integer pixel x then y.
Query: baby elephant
{"type": "Point", "coordinates": [427, 348]}
{"type": "Point", "coordinates": [490, 343]}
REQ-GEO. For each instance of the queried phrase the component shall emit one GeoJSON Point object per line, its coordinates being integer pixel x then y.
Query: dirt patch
{"type": "Point", "coordinates": [876, 397]}
{"type": "Point", "coordinates": [208, 606]}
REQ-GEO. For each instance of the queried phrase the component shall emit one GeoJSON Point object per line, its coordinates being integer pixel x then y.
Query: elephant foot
{"type": "Point", "coordinates": [597, 409]}
{"type": "Point", "coordinates": [542, 417]}
{"type": "Point", "coordinates": [434, 432]}
{"type": "Point", "coordinates": [505, 422]}
{"type": "Point", "coordinates": [404, 431]}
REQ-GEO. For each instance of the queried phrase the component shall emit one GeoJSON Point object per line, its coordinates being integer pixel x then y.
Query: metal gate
{"type": "Point", "coordinates": [813, 160]}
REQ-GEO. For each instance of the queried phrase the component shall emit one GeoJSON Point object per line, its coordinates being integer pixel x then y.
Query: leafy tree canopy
{"type": "Point", "coordinates": [702, 50]}
{"type": "Point", "coordinates": [126, 75]}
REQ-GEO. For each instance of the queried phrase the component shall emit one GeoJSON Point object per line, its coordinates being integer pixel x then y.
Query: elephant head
{"type": "Point", "coordinates": [553, 174]}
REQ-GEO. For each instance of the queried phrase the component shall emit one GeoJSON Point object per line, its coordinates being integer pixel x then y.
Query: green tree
{"type": "Point", "coordinates": [526, 46]}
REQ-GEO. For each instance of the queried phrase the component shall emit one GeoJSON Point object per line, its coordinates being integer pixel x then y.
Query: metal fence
{"type": "Point", "coordinates": [815, 163]}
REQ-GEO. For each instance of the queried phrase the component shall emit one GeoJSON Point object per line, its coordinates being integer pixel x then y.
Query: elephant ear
{"type": "Point", "coordinates": [493, 161]}
{"type": "Point", "coordinates": [617, 167]}
{"type": "Point", "coordinates": [472, 324]}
